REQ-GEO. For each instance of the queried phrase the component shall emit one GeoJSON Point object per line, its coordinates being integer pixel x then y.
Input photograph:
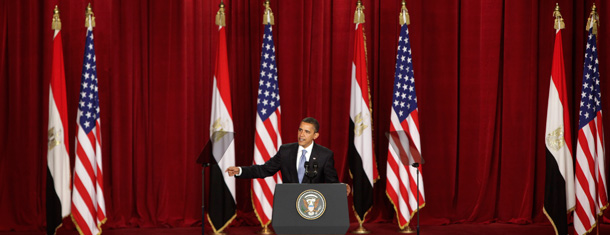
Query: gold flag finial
{"type": "Point", "coordinates": [404, 15]}
{"type": "Point", "coordinates": [220, 15]}
{"type": "Point", "coordinates": [559, 24]}
{"type": "Point", "coordinates": [593, 20]}
{"type": "Point", "coordinates": [88, 13]}
{"type": "Point", "coordinates": [56, 25]}
{"type": "Point", "coordinates": [268, 16]}
{"type": "Point", "coordinates": [359, 14]}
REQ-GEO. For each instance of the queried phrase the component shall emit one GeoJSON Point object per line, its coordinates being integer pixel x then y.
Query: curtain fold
{"type": "Point", "coordinates": [482, 71]}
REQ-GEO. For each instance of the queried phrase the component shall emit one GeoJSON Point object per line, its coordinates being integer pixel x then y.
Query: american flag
{"type": "Point", "coordinates": [591, 198]}
{"type": "Point", "coordinates": [404, 128]}
{"type": "Point", "coordinates": [88, 205]}
{"type": "Point", "coordinates": [268, 138]}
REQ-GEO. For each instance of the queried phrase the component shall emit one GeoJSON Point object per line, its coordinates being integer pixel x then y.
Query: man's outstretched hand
{"type": "Point", "coordinates": [232, 170]}
{"type": "Point", "coordinates": [349, 189]}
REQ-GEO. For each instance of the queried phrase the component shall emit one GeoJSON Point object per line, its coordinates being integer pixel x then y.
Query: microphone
{"type": "Point", "coordinates": [308, 172]}
{"type": "Point", "coordinates": [312, 174]}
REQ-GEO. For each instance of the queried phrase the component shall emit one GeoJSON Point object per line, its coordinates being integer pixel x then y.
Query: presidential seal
{"type": "Point", "coordinates": [311, 204]}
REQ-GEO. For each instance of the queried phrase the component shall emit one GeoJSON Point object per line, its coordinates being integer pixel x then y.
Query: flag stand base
{"type": "Point", "coordinates": [265, 231]}
{"type": "Point", "coordinates": [406, 230]}
{"type": "Point", "coordinates": [361, 230]}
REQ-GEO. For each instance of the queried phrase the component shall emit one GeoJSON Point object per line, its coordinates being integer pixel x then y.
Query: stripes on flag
{"type": "Point", "coordinates": [267, 138]}
{"type": "Point", "coordinates": [88, 205]}
{"type": "Point", "coordinates": [222, 207]}
{"type": "Point", "coordinates": [58, 154]}
{"type": "Point", "coordinates": [404, 138]}
{"type": "Point", "coordinates": [363, 166]}
{"type": "Point", "coordinates": [559, 177]}
{"type": "Point", "coordinates": [591, 189]}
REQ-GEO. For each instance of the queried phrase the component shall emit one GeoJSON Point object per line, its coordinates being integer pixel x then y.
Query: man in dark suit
{"type": "Point", "coordinates": [291, 158]}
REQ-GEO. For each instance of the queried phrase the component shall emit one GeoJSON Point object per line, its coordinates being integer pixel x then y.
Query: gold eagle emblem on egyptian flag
{"type": "Point", "coordinates": [359, 123]}
{"type": "Point", "coordinates": [219, 131]}
{"type": "Point", "coordinates": [54, 138]}
{"type": "Point", "coordinates": [555, 139]}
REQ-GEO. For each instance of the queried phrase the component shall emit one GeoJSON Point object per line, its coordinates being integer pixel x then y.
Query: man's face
{"type": "Point", "coordinates": [307, 134]}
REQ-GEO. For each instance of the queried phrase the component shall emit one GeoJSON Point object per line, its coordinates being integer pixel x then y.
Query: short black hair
{"type": "Point", "coordinates": [312, 121]}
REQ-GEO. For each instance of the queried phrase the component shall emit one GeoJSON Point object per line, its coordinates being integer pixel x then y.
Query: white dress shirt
{"type": "Point", "coordinates": [300, 152]}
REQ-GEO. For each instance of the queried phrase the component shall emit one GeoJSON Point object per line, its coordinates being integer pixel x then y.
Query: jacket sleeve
{"type": "Point", "coordinates": [269, 168]}
{"type": "Point", "coordinates": [330, 174]}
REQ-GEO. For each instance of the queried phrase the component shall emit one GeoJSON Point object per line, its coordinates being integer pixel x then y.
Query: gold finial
{"type": "Point", "coordinates": [268, 16]}
{"type": "Point", "coordinates": [404, 15]}
{"type": "Point", "coordinates": [88, 13]}
{"type": "Point", "coordinates": [593, 20]}
{"type": "Point", "coordinates": [359, 14]}
{"type": "Point", "coordinates": [56, 25]}
{"type": "Point", "coordinates": [220, 15]}
{"type": "Point", "coordinates": [559, 24]}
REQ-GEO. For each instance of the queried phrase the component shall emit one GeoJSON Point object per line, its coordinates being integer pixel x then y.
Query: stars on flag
{"type": "Point", "coordinates": [268, 90]}
{"type": "Point", "coordinates": [590, 96]}
{"type": "Point", "coordinates": [89, 100]}
{"type": "Point", "coordinates": [405, 99]}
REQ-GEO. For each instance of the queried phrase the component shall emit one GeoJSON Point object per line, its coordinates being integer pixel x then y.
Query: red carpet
{"type": "Point", "coordinates": [379, 228]}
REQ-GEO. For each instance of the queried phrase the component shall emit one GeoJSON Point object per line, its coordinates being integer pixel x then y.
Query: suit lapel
{"type": "Point", "coordinates": [315, 156]}
{"type": "Point", "coordinates": [294, 177]}
{"type": "Point", "coordinates": [314, 153]}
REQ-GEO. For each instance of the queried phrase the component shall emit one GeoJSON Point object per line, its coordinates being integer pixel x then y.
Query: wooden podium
{"type": "Point", "coordinates": [310, 209]}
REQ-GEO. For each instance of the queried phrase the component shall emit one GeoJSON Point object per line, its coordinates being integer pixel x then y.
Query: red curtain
{"type": "Point", "coordinates": [482, 72]}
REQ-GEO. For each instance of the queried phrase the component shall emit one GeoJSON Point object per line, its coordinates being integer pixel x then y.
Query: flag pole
{"type": "Point", "coordinates": [416, 165]}
{"type": "Point", "coordinates": [594, 19]}
{"type": "Point", "coordinates": [56, 24]}
{"type": "Point", "coordinates": [593, 12]}
{"type": "Point", "coordinates": [89, 13]}
{"type": "Point", "coordinates": [203, 166]}
{"type": "Point", "coordinates": [598, 223]}
{"type": "Point", "coordinates": [265, 230]}
{"type": "Point", "coordinates": [403, 18]}
{"type": "Point", "coordinates": [359, 19]}
{"type": "Point", "coordinates": [221, 201]}
{"type": "Point", "coordinates": [592, 23]}
{"type": "Point", "coordinates": [267, 19]}
{"type": "Point", "coordinates": [221, 22]}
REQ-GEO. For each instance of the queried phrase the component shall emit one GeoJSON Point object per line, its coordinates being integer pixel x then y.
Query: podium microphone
{"type": "Point", "coordinates": [311, 173]}
{"type": "Point", "coordinates": [307, 172]}
{"type": "Point", "coordinates": [315, 171]}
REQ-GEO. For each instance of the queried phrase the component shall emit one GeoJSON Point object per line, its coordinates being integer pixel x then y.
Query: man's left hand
{"type": "Point", "coordinates": [349, 189]}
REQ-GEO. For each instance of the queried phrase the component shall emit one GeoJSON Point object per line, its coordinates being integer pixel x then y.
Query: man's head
{"type": "Point", "coordinates": [308, 131]}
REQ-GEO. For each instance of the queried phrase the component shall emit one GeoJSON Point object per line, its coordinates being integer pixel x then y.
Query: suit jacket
{"type": "Point", "coordinates": [286, 160]}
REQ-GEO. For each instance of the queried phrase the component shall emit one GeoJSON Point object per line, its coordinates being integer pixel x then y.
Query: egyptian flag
{"type": "Point", "coordinates": [559, 198]}
{"type": "Point", "coordinates": [58, 158]}
{"type": "Point", "coordinates": [221, 209]}
{"type": "Point", "coordinates": [362, 163]}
